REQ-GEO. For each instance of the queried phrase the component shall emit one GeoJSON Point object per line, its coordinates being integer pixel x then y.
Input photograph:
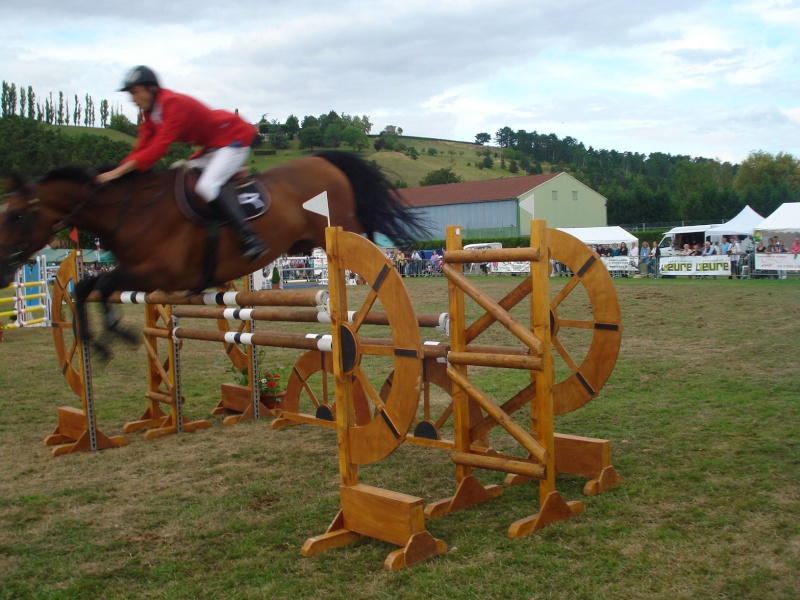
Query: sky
{"type": "Point", "coordinates": [711, 78]}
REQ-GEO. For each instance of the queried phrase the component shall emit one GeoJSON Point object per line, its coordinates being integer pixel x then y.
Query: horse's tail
{"type": "Point", "coordinates": [379, 207]}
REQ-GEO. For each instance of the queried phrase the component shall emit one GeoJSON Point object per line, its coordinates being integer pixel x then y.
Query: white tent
{"type": "Point", "coordinates": [742, 224]}
{"type": "Point", "coordinates": [785, 220]}
{"type": "Point", "coordinates": [600, 235]}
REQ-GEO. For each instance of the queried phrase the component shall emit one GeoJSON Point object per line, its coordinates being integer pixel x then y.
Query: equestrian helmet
{"type": "Point", "coordinates": [140, 75]}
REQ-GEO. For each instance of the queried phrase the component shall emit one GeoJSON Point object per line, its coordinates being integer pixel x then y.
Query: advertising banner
{"type": "Point", "coordinates": [777, 262]}
{"type": "Point", "coordinates": [695, 265]}
{"type": "Point", "coordinates": [620, 263]}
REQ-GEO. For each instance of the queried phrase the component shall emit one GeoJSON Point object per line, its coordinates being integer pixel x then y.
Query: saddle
{"type": "Point", "coordinates": [254, 197]}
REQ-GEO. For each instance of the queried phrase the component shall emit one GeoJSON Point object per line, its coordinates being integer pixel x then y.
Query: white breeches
{"type": "Point", "coordinates": [218, 167]}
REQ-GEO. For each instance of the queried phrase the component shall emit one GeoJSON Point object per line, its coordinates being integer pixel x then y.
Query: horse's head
{"type": "Point", "coordinates": [30, 215]}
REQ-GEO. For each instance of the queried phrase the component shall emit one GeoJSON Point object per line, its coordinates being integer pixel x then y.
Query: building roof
{"type": "Point", "coordinates": [473, 191]}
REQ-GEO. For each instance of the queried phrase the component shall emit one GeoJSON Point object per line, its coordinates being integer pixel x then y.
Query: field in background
{"type": "Point", "coordinates": [702, 411]}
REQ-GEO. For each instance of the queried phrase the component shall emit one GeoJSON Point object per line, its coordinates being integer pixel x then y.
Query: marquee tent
{"type": "Point", "coordinates": [600, 235]}
{"type": "Point", "coordinates": [742, 224]}
{"type": "Point", "coordinates": [785, 220]}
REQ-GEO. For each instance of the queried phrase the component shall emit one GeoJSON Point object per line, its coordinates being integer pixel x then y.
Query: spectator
{"type": "Point", "coordinates": [796, 247]}
{"type": "Point", "coordinates": [708, 249]}
{"type": "Point", "coordinates": [725, 245]}
{"type": "Point", "coordinates": [734, 251]}
{"type": "Point", "coordinates": [623, 249]}
{"type": "Point", "coordinates": [614, 250]}
{"type": "Point", "coordinates": [655, 255]}
{"type": "Point", "coordinates": [781, 249]}
{"type": "Point", "coordinates": [644, 259]}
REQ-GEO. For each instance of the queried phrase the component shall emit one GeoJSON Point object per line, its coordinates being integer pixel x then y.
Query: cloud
{"type": "Point", "coordinates": [616, 74]}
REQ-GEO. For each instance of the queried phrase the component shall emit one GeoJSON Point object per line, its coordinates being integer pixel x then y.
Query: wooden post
{"type": "Point", "coordinates": [365, 510]}
{"type": "Point", "coordinates": [77, 428]}
{"type": "Point", "coordinates": [552, 507]}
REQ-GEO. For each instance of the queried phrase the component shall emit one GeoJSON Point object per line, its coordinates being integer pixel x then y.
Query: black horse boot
{"type": "Point", "coordinates": [228, 206]}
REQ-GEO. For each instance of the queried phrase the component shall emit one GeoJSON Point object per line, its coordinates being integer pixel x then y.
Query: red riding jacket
{"type": "Point", "coordinates": [180, 118]}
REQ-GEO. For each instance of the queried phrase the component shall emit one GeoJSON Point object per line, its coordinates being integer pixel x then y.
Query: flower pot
{"type": "Point", "coordinates": [272, 401]}
{"type": "Point", "coordinates": [276, 286]}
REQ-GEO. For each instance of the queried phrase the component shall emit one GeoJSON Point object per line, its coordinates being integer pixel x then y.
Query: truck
{"type": "Point", "coordinates": [673, 241]}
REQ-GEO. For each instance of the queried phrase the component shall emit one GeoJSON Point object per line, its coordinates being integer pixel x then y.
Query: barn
{"type": "Point", "coordinates": [491, 208]}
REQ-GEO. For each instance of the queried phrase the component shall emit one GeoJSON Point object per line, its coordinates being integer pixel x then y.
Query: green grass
{"type": "Point", "coordinates": [702, 412]}
{"type": "Point", "coordinates": [458, 156]}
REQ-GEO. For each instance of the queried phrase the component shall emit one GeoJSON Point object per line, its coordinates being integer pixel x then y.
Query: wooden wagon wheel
{"type": "Point", "coordinates": [62, 316]}
{"type": "Point", "coordinates": [393, 415]}
{"type": "Point", "coordinates": [588, 377]}
{"type": "Point", "coordinates": [312, 379]}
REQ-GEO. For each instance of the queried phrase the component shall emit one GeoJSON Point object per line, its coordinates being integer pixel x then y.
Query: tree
{"type": "Point", "coordinates": [355, 137]}
{"type": "Point", "coordinates": [310, 137]}
{"type": "Point", "coordinates": [122, 123]}
{"type": "Point", "coordinates": [505, 137]}
{"type": "Point", "coordinates": [380, 144]}
{"type": "Point", "coordinates": [441, 176]}
{"type": "Point", "coordinates": [483, 139]}
{"type": "Point", "coordinates": [412, 153]}
{"type": "Point", "coordinates": [766, 181]}
{"type": "Point", "coordinates": [103, 112]}
{"type": "Point", "coordinates": [332, 136]}
{"type": "Point", "coordinates": [31, 103]}
{"type": "Point", "coordinates": [60, 113]}
{"type": "Point", "coordinates": [292, 126]}
{"type": "Point", "coordinates": [77, 114]}
{"type": "Point", "coordinates": [309, 121]}
{"type": "Point", "coordinates": [276, 133]}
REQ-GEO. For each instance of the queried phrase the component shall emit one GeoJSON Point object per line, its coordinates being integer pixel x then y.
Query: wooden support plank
{"type": "Point", "coordinates": [481, 359]}
{"type": "Point", "coordinates": [498, 463]}
{"type": "Point", "coordinates": [516, 431]}
{"type": "Point", "coordinates": [381, 514]}
{"type": "Point", "coordinates": [521, 332]}
{"type": "Point", "coordinates": [468, 493]}
{"type": "Point", "coordinates": [552, 510]}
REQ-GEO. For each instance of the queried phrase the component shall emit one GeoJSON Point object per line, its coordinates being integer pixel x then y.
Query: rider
{"type": "Point", "coordinates": [167, 117]}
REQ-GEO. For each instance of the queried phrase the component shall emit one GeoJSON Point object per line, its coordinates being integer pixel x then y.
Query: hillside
{"type": "Point", "coordinates": [460, 156]}
{"type": "Point", "coordinates": [115, 135]}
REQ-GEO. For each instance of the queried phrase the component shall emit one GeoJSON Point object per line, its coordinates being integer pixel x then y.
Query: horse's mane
{"type": "Point", "coordinates": [74, 174]}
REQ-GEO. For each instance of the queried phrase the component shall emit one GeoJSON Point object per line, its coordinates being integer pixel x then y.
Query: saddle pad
{"type": "Point", "coordinates": [254, 197]}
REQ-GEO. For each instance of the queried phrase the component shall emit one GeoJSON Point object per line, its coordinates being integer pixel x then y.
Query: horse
{"type": "Point", "coordinates": [158, 248]}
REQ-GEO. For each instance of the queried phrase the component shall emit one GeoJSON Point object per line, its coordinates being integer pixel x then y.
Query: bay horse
{"type": "Point", "coordinates": [158, 248]}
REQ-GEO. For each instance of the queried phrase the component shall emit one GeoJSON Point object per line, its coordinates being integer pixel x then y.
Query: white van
{"type": "Point", "coordinates": [672, 242]}
{"type": "Point", "coordinates": [481, 268]}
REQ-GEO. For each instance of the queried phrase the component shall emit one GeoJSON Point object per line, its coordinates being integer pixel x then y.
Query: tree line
{"type": "Point", "coordinates": [658, 187]}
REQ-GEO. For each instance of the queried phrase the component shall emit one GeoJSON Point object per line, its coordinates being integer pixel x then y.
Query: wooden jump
{"type": "Point", "coordinates": [371, 423]}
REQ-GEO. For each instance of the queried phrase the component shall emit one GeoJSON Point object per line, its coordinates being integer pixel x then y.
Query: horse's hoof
{"type": "Point", "coordinates": [102, 352]}
{"type": "Point", "coordinates": [127, 336]}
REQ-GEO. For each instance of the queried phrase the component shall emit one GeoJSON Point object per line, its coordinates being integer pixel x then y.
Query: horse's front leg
{"type": "Point", "coordinates": [82, 290]}
{"type": "Point", "coordinates": [106, 285]}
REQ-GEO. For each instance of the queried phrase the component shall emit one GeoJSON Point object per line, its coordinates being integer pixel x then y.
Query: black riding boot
{"type": "Point", "coordinates": [228, 206]}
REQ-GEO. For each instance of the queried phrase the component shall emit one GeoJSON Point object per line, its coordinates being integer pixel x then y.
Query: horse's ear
{"type": "Point", "coordinates": [12, 183]}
